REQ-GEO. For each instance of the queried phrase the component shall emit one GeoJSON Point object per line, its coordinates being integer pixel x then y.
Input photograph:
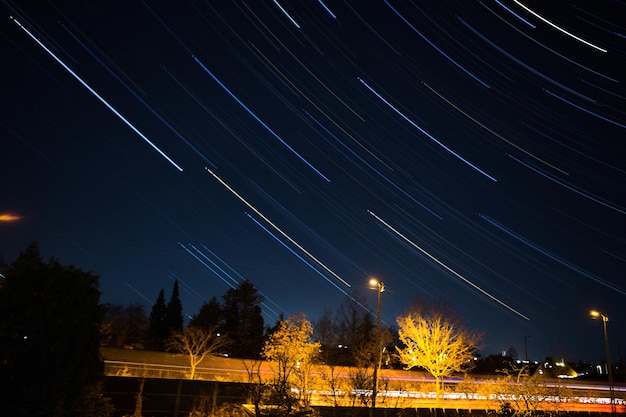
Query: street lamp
{"type": "Point", "coordinates": [605, 318]}
{"type": "Point", "coordinates": [380, 287]}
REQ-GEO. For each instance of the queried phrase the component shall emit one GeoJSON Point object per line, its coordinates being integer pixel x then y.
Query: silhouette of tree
{"type": "Point", "coordinates": [243, 322]}
{"type": "Point", "coordinates": [50, 319]}
{"type": "Point", "coordinates": [356, 331]}
{"type": "Point", "coordinates": [158, 329]}
{"type": "Point", "coordinates": [174, 313]}
{"type": "Point", "coordinates": [124, 326]}
{"type": "Point", "coordinates": [197, 343]}
{"type": "Point", "coordinates": [210, 314]}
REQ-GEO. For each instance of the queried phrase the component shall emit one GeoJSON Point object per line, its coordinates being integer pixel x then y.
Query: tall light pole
{"type": "Point", "coordinates": [380, 287]}
{"type": "Point", "coordinates": [605, 318]}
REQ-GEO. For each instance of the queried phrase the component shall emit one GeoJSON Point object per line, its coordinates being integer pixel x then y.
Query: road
{"type": "Point", "coordinates": [403, 388]}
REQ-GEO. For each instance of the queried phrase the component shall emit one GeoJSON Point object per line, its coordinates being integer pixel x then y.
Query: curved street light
{"type": "Point", "coordinates": [596, 314]}
{"type": "Point", "coordinates": [380, 287]}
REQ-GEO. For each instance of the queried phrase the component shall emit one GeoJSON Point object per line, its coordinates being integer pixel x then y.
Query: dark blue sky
{"type": "Point", "coordinates": [464, 151]}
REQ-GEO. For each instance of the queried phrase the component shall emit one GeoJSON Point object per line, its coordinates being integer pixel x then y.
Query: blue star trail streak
{"type": "Point", "coordinates": [268, 221]}
{"type": "Point", "coordinates": [251, 113]}
{"type": "Point", "coordinates": [487, 136]}
{"type": "Point", "coordinates": [447, 268]}
{"type": "Point", "coordinates": [415, 125]}
{"type": "Point", "coordinates": [550, 255]}
{"type": "Point", "coordinates": [95, 94]}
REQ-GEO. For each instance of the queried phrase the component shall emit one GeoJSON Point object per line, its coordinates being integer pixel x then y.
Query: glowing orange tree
{"type": "Point", "coordinates": [436, 343]}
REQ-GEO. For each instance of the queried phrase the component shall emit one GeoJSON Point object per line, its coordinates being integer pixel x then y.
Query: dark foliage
{"type": "Point", "coordinates": [174, 312]}
{"type": "Point", "coordinates": [210, 315]}
{"type": "Point", "coordinates": [124, 326]}
{"type": "Point", "coordinates": [50, 319]}
{"type": "Point", "coordinates": [158, 328]}
{"type": "Point", "coordinates": [243, 322]}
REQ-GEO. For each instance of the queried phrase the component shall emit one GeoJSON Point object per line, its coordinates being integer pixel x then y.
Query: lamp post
{"type": "Point", "coordinates": [380, 287]}
{"type": "Point", "coordinates": [605, 318]}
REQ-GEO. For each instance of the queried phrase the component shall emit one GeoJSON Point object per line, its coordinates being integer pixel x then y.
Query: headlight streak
{"type": "Point", "coordinates": [95, 94]}
{"type": "Point", "coordinates": [255, 117]}
{"type": "Point", "coordinates": [428, 135]}
{"type": "Point", "coordinates": [243, 200]}
{"type": "Point", "coordinates": [446, 267]}
{"type": "Point", "coordinates": [549, 254]}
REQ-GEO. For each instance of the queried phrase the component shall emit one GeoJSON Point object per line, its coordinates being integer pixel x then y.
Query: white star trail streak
{"type": "Point", "coordinates": [268, 221]}
{"type": "Point", "coordinates": [560, 29]}
{"type": "Point", "coordinates": [564, 184]}
{"type": "Point", "coordinates": [95, 94]}
{"type": "Point", "coordinates": [446, 267]}
{"type": "Point", "coordinates": [549, 254]}
{"type": "Point", "coordinates": [251, 113]}
{"type": "Point", "coordinates": [141, 100]}
{"type": "Point", "coordinates": [371, 167]}
{"type": "Point", "coordinates": [456, 64]}
{"type": "Point", "coordinates": [488, 129]}
{"type": "Point", "coordinates": [283, 244]}
{"type": "Point", "coordinates": [428, 135]}
{"type": "Point", "coordinates": [282, 9]}
{"type": "Point", "coordinates": [425, 112]}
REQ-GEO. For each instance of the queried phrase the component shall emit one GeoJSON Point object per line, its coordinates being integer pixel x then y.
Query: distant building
{"type": "Point", "coordinates": [556, 369]}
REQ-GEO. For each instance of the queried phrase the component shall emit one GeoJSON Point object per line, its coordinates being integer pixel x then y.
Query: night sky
{"type": "Point", "coordinates": [471, 152]}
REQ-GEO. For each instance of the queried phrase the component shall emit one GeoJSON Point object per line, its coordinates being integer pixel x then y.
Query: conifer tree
{"type": "Point", "coordinates": [158, 328]}
{"type": "Point", "coordinates": [243, 322]}
{"type": "Point", "coordinates": [210, 315]}
{"type": "Point", "coordinates": [174, 314]}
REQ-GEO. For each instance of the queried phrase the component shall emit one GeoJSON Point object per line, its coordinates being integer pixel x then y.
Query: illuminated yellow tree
{"type": "Point", "coordinates": [435, 343]}
{"type": "Point", "coordinates": [292, 353]}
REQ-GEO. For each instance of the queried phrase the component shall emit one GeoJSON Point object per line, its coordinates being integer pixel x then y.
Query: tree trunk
{"type": "Point", "coordinates": [139, 402]}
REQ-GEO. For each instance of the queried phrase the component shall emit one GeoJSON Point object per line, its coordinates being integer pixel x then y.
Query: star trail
{"type": "Point", "coordinates": [471, 152]}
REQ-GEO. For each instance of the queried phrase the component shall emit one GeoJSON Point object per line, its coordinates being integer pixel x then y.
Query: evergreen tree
{"type": "Point", "coordinates": [50, 318]}
{"type": "Point", "coordinates": [210, 315]}
{"type": "Point", "coordinates": [243, 322]}
{"type": "Point", "coordinates": [158, 328]}
{"type": "Point", "coordinates": [174, 315]}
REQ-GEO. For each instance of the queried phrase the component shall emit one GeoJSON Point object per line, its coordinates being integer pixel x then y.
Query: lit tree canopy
{"type": "Point", "coordinates": [435, 343]}
{"type": "Point", "coordinates": [293, 352]}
